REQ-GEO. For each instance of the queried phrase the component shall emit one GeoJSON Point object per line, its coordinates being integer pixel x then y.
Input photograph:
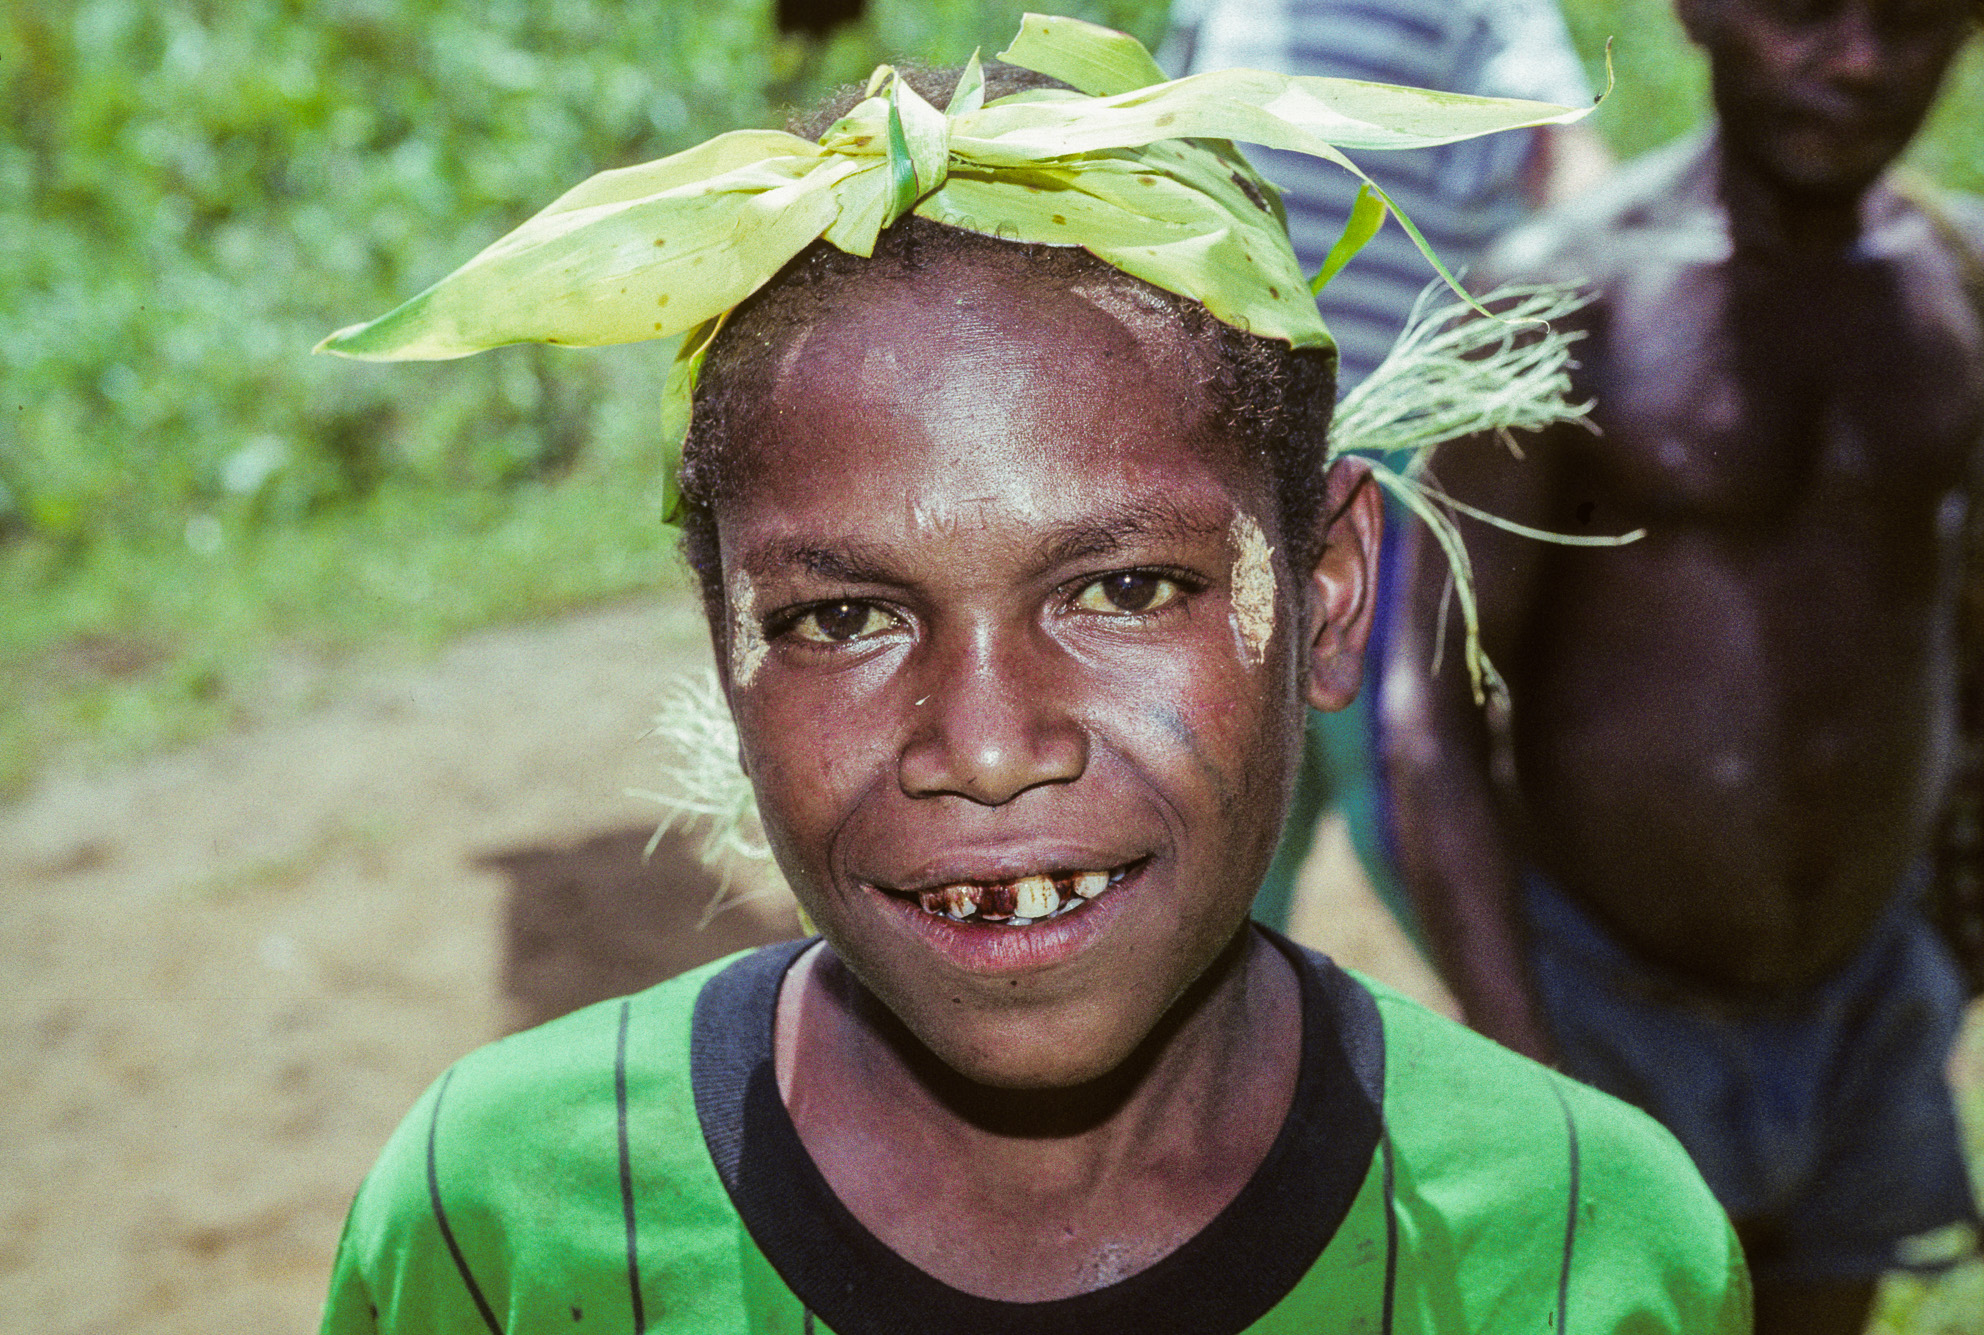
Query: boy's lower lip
{"type": "Point", "coordinates": [996, 948]}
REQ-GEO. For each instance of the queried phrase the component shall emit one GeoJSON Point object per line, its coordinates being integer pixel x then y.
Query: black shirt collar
{"type": "Point", "coordinates": [1222, 1280]}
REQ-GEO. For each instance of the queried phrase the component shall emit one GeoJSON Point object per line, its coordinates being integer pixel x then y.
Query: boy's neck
{"type": "Point", "coordinates": [1767, 215]}
{"type": "Point", "coordinates": [959, 1178]}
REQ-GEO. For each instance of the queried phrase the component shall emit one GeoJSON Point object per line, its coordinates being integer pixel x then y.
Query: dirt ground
{"type": "Point", "coordinates": [232, 969]}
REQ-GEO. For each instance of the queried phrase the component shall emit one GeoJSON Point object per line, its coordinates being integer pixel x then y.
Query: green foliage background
{"type": "Point", "coordinates": [209, 187]}
{"type": "Point", "coordinates": [197, 190]}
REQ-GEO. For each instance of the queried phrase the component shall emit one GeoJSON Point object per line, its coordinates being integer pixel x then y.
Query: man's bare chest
{"type": "Point", "coordinates": [1856, 396]}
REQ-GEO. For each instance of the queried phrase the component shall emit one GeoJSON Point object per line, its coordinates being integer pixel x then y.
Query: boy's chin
{"type": "Point", "coordinates": [1034, 1054]}
{"type": "Point", "coordinates": [1013, 1044]}
{"type": "Point", "coordinates": [1815, 166]}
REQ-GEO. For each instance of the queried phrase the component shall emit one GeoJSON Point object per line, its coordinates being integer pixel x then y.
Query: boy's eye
{"type": "Point", "coordinates": [837, 623]}
{"type": "Point", "coordinates": [1914, 16]}
{"type": "Point", "coordinates": [1805, 11]}
{"type": "Point", "coordinates": [1128, 592]}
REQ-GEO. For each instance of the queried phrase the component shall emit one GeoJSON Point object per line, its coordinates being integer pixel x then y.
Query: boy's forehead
{"type": "Point", "coordinates": [977, 398]}
{"type": "Point", "coordinates": [970, 328]}
{"type": "Point", "coordinates": [1891, 21]}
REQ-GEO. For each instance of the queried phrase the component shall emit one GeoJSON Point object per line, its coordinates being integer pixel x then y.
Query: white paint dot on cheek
{"type": "Point", "coordinates": [747, 641]}
{"type": "Point", "coordinates": [1253, 589]}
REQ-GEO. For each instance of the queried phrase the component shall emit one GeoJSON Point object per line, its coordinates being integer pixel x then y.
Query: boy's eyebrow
{"type": "Point", "coordinates": [855, 561]}
{"type": "Point", "coordinates": [1146, 520]}
{"type": "Point", "coordinates": [850, 561]}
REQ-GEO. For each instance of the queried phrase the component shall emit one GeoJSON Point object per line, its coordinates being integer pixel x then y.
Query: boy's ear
{"type": "Point", "coordinates": [1342, 590]}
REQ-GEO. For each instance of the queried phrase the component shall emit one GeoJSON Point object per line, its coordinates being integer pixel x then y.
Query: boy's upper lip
{"type": "Point", "coordinates": [1840, 111]}
{"type": "Point", "coordinates": [995, 864]}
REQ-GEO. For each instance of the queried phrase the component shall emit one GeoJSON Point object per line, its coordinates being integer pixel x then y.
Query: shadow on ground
{"type": "Point", "coordinates": [597, 919]}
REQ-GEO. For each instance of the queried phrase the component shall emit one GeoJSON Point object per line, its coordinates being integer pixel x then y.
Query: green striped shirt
{"type": "Point", "coordinates": [629, 1168]}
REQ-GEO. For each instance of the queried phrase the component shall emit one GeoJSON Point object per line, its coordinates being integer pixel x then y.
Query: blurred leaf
{"type": "Point", "coordinates": [196, 192]}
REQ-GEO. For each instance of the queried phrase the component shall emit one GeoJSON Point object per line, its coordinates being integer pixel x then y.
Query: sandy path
{"type": "Point", "coordinates": [232, 969]}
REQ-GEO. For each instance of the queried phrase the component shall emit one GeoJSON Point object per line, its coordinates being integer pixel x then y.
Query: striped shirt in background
{"type": "Point", "coordinates": [1462, 196]}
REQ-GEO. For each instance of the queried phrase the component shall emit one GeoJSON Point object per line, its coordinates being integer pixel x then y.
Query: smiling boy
{"type": "Point", "coordinates": [1009, 671]}
{"type": "Point", "coordinates": [1021, 570]}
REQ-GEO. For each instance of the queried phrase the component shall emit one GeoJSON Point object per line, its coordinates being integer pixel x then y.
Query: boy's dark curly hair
{"type": "Point", "coordinates": [1270, 400]}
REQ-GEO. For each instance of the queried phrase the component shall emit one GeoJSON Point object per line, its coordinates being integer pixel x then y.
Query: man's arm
{"type": "Point", "coordinates": [1442, 750]}
{"type": "Point", "coordinates": [1959, 848]}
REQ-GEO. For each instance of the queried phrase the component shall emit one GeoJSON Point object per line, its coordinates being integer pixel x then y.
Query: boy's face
{"type": "Point", "coordinates": [1821, 95]}
{"type": "Point", "coordinates": [1002, 634]}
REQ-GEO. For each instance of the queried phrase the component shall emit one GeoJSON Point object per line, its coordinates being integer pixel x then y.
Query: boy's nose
{"type": "Point", "coordinates": [988, 727]}
{"type": "Point", "coordinates": [1852, 53]}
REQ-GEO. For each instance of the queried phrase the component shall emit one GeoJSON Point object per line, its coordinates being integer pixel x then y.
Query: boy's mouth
{"type": "Point", "coordinates": [1020, 902]}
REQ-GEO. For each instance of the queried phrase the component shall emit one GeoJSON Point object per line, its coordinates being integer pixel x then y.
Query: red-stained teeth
{"type": "Point", "coordinates": [1034, 897]}
{"type": "Point", "coordinates": [997, 901]}
{"type": "Point", "coordinates": [1018, 903]}
{"type": "Point", "coordinates": [955, 901]}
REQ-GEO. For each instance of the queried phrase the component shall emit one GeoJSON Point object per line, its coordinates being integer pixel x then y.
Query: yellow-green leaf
{"type": "Point", "coordinates": [1149, 224]}
{"type": "Point", "coordinates": [617, 272]}
{"type": "Point", "coordinates": [926, 133]}
{"type": "Point", "coordinates": [902, 171]}
{"type": "Point", "coordinates": [653, 250]}
{"type": "Point", "coordinates": [725, 153]}
{"type": "Point", "coordinates": [969, 95]}
{"type": "Point", "coordinates": [1304, 115]}
{"type": "Point", "coordinates": [1367, 215]}
{"type": "Point", "coordinates": [678, 396]}
{"type": "Point", "coordinates": [1086, 56]}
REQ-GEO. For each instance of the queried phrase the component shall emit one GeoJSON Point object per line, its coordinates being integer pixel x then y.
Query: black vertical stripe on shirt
{"type": "Point", "coordinates": [1391, 1235]}
{"type": "Point", "coordinates": [441, 1215]}
{"type": "Point", "coordinates": [627, 1171]}
{"type": "Point", "coordinates": [1571, 1209]}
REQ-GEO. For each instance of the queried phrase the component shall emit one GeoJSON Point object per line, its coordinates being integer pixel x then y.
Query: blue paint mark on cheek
{"type": "Point", "coordinates": [1172, 722]}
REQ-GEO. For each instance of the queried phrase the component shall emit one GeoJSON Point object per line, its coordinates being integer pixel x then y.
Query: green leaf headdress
{"type": "Point", "coordinates": [1135, 168]}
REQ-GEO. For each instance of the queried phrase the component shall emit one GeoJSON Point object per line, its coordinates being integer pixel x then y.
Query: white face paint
{"type": "Point", "coordinates": [1253, 589]}
{"type": "Point", "coordinates": [747, 641]}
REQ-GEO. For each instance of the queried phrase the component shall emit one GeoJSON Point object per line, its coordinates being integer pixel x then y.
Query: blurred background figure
{"type": "Point", "coordinates": [816, 18]}
{"type": "Point", "coordinates": [1461, 197]}
{"type": "Point", "coordinates": [1689, 860]}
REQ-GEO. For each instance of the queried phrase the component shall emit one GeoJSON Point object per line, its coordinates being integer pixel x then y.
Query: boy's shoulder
{"type": "Point", "coordinates": [1966, 213]}
{"type": "Point", "coordinates": [571, 1149]}
{"type": "Point", "coordinates": [1519, 1178]}
{"type": "Point", "coordinates": [573, 1060]}
{"type": "Point", "coordinates": [1957, 218]}
{"type": "Point", "coordinates": [1449, 1090]}
{"type": "Point", "coordinates": [524, 1090]}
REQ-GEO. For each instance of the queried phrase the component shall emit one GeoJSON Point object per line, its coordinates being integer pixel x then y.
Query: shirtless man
{"type": "Point", "coordinates": [1687, 861]}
